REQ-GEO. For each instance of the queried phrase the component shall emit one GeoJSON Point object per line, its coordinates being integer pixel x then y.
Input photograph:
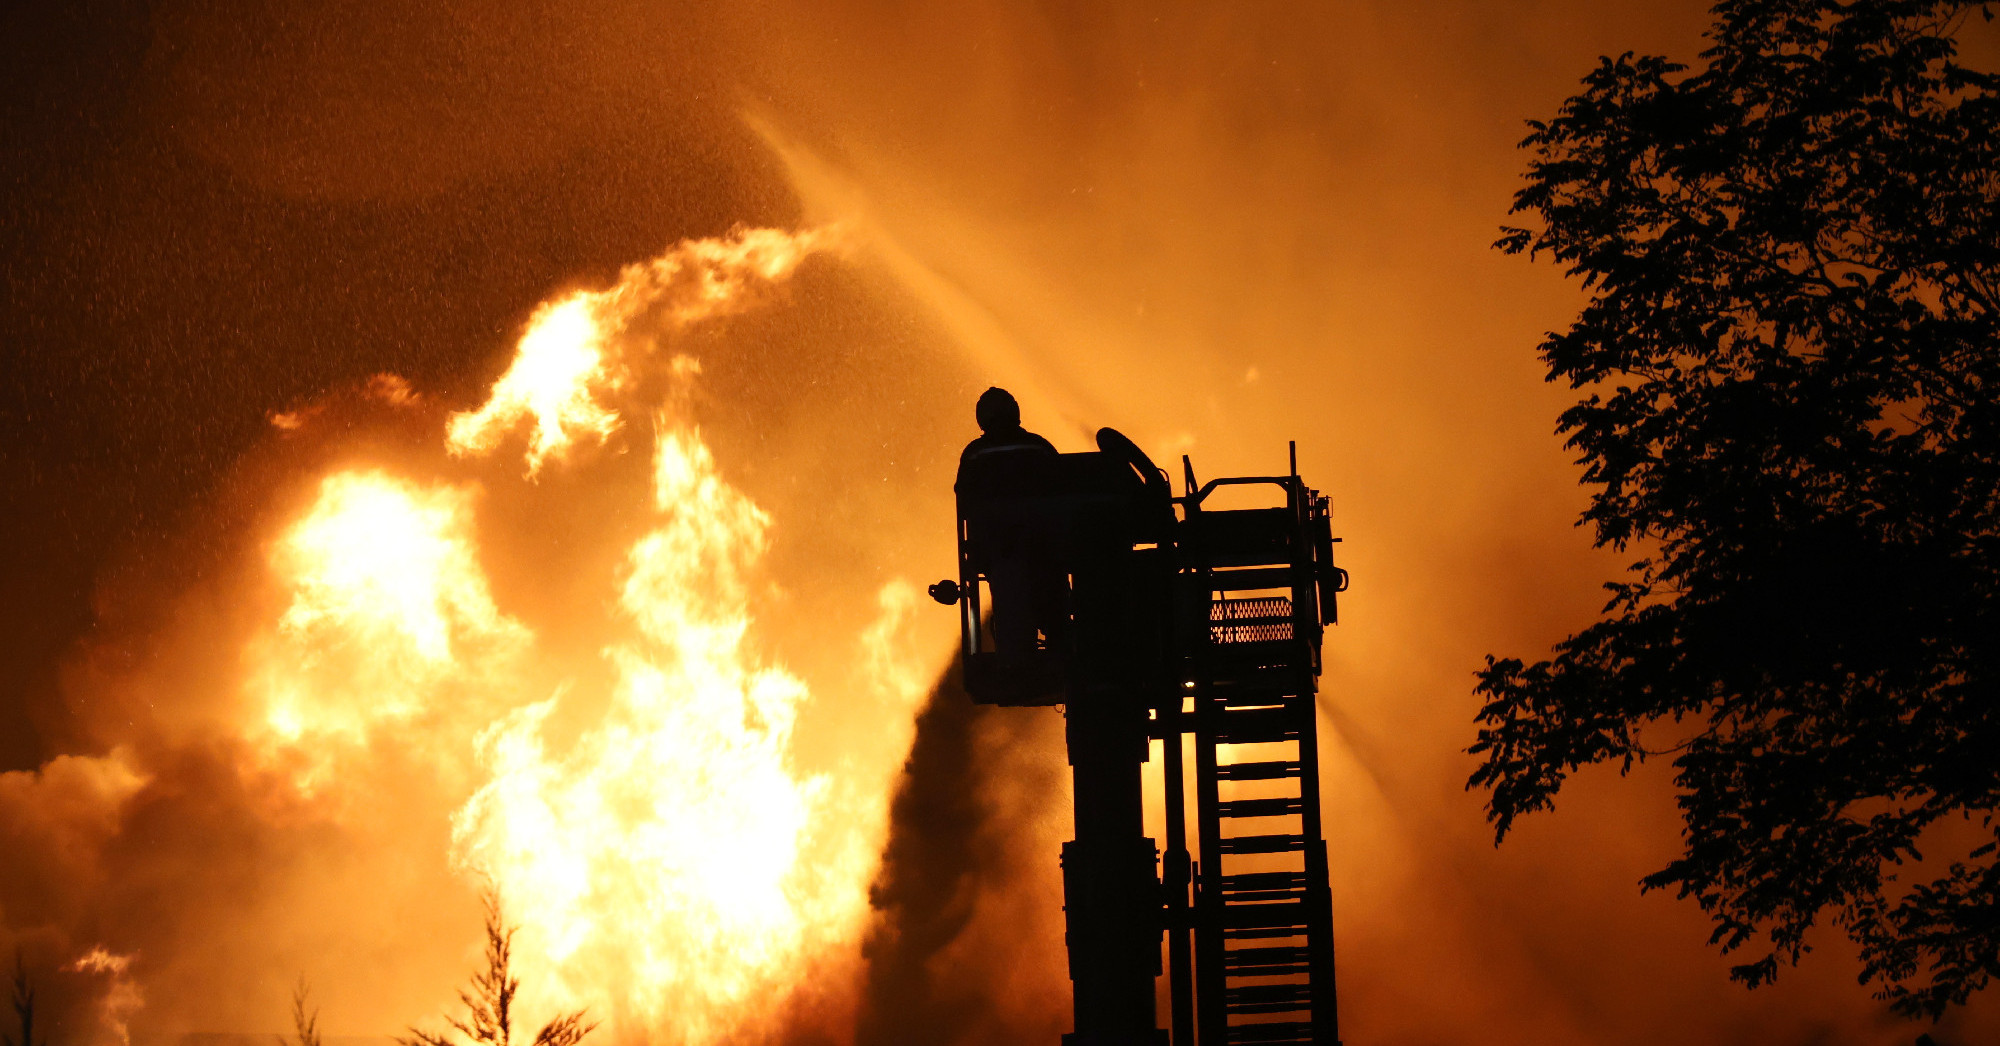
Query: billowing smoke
{"type": "Point", "coordinates": [968, 946]}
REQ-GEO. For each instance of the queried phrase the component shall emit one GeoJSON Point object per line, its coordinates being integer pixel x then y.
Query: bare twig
{"type": "Point", "coordinates": [305, 1020]}
{"type": "Point", "coordinates": [24, 1004]}
{"type": "Point", "coordinates": [489, 999]}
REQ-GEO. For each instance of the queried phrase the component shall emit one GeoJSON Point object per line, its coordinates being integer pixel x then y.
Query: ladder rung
{"type": "Point", "coordinates": [1264, 916]}
{"type": "Point", "coordinates": [1280, 991]}
{"type": "Point", "coordinates": [1243, 961]}
{"type": "Point", "coordinates": [1262, 844]}
{"type": "Point", "coordinates": [1261, 933]}
{"type": "Point", "coordinates": [1229, 673]}
{"type": "Point", "coordinates": [1252, 726]}
{"type": "Point", "coordinates": [1293, 996]}
{"type": "Point", "coordinates": [1257, 696]}
{"type": "Point", "coordinates": [1288, 969]}
{"type": "Point", "coordinates": [1281, 686]}
{"type": "Point", "coordinates": [1265, 771]}
{"type": "Point", "coordinates": [1266, 955]}
{"type": "Point", "coordinates": [1260, 807]}
{"type": "Point", "coordinates": [1263, 881]}
{"type": "Point", "coordinates": [1272, 1032]}
{"type": "Point", "coordinates": [1266, 895]}
{"type": "Point", "coordinates": [1267, 1007]}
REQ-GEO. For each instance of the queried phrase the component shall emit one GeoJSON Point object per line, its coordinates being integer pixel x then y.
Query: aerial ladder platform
{"type": "Point", "coordinates": [1200, 627]}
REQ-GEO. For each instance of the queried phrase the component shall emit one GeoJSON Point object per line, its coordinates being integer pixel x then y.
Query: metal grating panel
{"type": "Point", "coordinates": [1262, 620]}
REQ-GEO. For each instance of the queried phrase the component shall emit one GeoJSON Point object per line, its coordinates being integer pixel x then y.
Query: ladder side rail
{"type": "Point", "coordinates": [1203, 994]}
{"type": "Point", "coordinates": [1323, 975]}
{"type": "Point", "coordinates": [1176, 878]}
{"type": "Point", "coordinates": [1319, 894]}
{"type": "Point", "coordinates": [1211, 975]}
{"type": "Point", "coordinates": [1222, 900]}
{"type": "Point", "coordinates": [1318, 899]}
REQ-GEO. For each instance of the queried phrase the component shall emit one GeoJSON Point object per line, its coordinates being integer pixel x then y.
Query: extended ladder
{"type": "Point", "coordinates": [1184, 620]}
{"type": "Point", "coordinates": [1255, 588]}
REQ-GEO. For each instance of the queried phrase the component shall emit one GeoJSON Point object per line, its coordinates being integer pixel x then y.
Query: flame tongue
{"type": "Point", "coordinates": [559, 362]}
{"type": "Point", "coordinates": [658, 862]}
{"type": "Point", "coordinates": [570, 355]}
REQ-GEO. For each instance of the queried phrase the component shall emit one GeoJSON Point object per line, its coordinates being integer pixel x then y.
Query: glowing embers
{"type": "Point", "coordinates": [657, 863]}
{"type": "Point", "coordinates": [580, 348]}
{"type": "Point", "coordinates": [388, 617]}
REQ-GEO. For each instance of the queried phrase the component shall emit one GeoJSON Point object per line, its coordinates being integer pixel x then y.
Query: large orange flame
{"type": "Point", "coordinates": [669, 863]}
{"type": "Point", "coordinates": [387, 602]}
{"type": "Point", "coordinates": [662, 858]}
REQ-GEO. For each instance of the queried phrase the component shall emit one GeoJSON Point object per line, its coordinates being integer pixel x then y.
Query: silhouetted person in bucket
{"type": "Point", "coordinates": [1004, 478]}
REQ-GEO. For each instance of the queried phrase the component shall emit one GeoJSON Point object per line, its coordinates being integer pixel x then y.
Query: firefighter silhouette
{"type": "Point", "coordinates": [1005, 478]}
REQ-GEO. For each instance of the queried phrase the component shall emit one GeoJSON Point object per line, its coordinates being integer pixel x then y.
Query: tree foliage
{"type": "Point", "coordinates": [1790, 368]}
{"type": "Point", "coordinates": [489, 1000]}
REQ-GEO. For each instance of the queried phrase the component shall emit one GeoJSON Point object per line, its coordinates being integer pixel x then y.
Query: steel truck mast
{"type": "Point", "coordinates": [1184, 620]}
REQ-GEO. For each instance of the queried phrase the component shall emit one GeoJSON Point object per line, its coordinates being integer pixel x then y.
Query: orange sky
{"type": "Point", "coordinates": [1215, 227]}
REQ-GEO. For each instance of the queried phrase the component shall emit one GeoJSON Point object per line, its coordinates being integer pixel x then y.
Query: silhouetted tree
{"type": "Point", "coordinates": [1790, 361]}
{"type": "Point", "coordinates": [24, 1005]}
{"type": "Point", "coordinates": [305, 1022]}
{"type": "Point", "coordinates": [489, 1000]}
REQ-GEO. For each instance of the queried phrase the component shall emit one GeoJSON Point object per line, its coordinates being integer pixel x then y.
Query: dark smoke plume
{"type": "Point", "coordinates": [960, 840]}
